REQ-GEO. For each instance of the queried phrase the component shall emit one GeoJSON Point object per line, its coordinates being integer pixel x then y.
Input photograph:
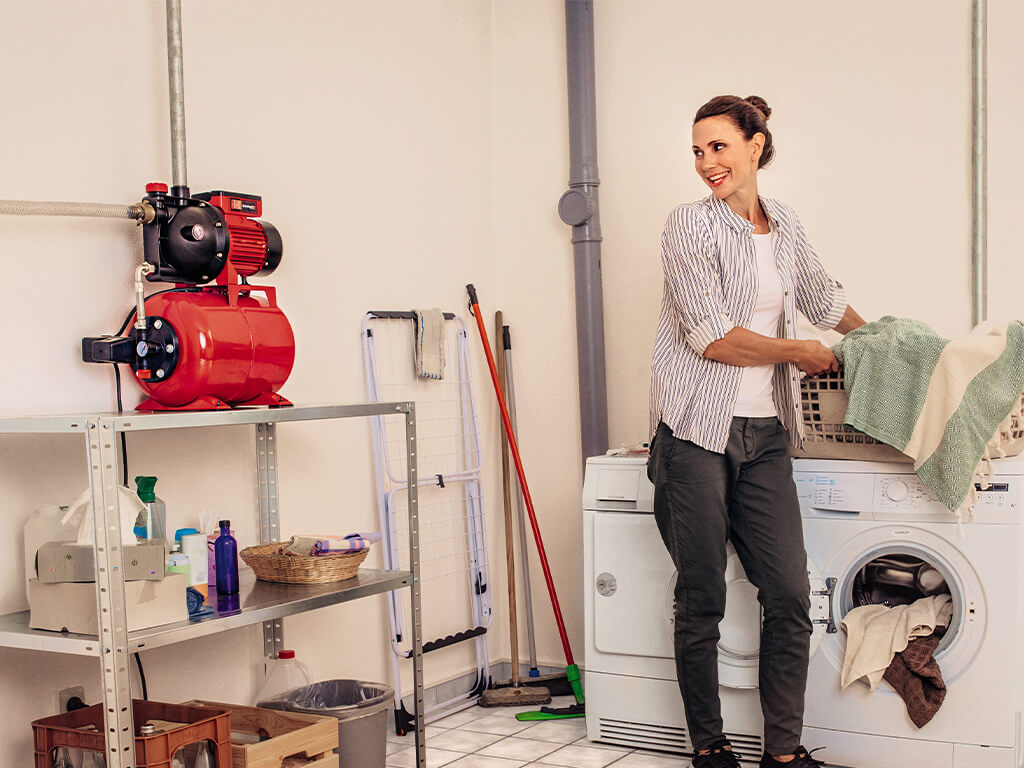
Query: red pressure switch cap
{"type": "Point", "coordinates": [286, 654]}
{"type": "Point", "coordinates": [156, 186]}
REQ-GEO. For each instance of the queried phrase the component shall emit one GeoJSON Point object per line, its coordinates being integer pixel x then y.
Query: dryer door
{"type": "Point", "coordinates": [633, 604]}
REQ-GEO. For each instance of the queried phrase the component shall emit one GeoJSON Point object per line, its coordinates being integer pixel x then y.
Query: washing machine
{"type": "Point", "coordinates": [860, 518]}
{"type": "Point", "coordinates": [633, 698]}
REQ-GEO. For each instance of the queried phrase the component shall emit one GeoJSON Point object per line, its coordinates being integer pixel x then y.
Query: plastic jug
{"type": "Point", "coordinates": [152, 522]}
{"type": "Point", "coordinates": [283, 673]}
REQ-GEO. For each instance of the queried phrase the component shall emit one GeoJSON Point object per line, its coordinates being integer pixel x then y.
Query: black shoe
{"type": "Point", "coordinates": [803, 759]}
{"type": "Point", "coordinates": [718, 757]}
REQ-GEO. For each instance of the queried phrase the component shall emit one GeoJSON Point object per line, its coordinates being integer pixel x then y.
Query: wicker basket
{"type": "Point", "coordinates": [269, 565]}
{"type": "Point", "coordinates": [824, 402]}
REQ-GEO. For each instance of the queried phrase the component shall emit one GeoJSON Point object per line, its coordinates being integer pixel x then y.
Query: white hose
{"type": "Point", "coordinates": [99, 210]}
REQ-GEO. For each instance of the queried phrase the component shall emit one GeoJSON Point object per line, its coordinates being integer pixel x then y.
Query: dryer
{"type": "Point", "coordinates": [629, 669]}
{"type": "Point", "coordinates": [859, 516]}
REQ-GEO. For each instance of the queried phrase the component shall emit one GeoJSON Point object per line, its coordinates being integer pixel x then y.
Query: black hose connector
{"type": "Point", "coordinates": [74, 703]}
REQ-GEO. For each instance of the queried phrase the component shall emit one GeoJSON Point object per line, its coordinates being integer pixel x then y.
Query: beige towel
{"type": "Point", "coordinates": [876, 633]}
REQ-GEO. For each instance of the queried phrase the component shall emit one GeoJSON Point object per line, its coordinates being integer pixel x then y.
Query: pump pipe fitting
{"type": "Point", "coordinates": [140, 296]}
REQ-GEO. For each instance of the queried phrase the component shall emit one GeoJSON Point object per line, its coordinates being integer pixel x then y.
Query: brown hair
{"type": "Point", "coordinates": [750, 115]}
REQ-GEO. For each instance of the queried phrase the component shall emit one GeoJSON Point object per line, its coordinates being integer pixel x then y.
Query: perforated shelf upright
{"type": "Point", "coordinates": [260, 601]}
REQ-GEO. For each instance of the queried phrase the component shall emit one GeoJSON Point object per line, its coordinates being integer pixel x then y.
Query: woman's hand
{"type": "Point", "coordinates": [814, 358]}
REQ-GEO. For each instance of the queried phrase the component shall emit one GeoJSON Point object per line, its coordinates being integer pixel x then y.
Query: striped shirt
{"type": "Point", "coordinates": [707, 252]}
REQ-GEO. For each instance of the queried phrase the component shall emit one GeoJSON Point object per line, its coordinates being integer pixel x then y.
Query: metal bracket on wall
{"type": "Point", "coordinates": [266, 462]}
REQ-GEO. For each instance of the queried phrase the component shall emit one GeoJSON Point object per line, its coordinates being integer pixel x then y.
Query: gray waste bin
{"type": "Point", "coordinates": [362, 712]}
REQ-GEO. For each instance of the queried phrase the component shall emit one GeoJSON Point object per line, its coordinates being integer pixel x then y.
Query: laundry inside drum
{"type": "Point", "coordinates": [897, 579]}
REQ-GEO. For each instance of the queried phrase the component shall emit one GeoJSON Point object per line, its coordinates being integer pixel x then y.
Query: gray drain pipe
{"type": "Point", "coordinates": [979, 162]}
{"type": "Point", "coordinates": [578, 208]}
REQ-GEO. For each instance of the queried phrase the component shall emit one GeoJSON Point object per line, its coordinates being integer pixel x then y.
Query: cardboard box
{"type": "Point", "coordinates": [286, 734]}
{"type": "Point", "coordinates": [62, 561]}
{"type": "Point", "coordinates": [71, 606]}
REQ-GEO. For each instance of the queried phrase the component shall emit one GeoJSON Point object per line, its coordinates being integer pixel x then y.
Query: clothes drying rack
{"type": "Point", "coordinates": [454, 570]}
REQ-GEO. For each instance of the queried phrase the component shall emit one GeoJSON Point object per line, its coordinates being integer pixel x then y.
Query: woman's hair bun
{"type": "Point", "coordinates": [760, 104]}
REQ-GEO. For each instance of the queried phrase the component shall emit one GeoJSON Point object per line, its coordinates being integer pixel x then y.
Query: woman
{"type": "Point", "coordinates": [725, 401]}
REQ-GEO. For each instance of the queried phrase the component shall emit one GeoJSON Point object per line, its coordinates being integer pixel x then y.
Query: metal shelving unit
{"type": "Point", "coordinates": [260, 602]}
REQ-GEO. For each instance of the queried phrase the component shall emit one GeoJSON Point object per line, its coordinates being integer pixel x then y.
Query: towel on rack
{"type": "Point", "coordinates": [876, 633]}
{"type": "Point", "coordinates": [916, 676]}
{"type": "Point", "coordinates": [943, 403]}
{"type": "Point", "coordinates": [429, 343]}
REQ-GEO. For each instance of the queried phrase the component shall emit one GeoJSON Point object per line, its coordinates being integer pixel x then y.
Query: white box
{"type": "Point", "coordinates": [71, 606]}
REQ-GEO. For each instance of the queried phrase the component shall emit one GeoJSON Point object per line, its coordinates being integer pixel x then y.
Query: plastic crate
{"type": "Point", "coordinates": [84, 729]}
{"type": "Point", "coordinates": [824, 402]}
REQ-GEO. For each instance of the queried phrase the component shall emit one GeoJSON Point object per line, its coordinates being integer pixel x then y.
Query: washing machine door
{"type": "Point", "coordinates": [635, 591]}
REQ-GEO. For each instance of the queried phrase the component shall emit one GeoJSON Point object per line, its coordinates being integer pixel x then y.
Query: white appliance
{"type": "Point", "coordinates": [630, 676]}
{"type": "Point", "coordinates": [859, 514]}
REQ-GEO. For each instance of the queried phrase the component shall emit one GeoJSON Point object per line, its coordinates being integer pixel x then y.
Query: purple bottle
{"type": "Point", "coordinates": [225, 552]}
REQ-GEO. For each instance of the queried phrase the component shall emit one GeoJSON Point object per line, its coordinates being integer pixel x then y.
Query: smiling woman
{"type": "Point", "coordinates": [725, 406]}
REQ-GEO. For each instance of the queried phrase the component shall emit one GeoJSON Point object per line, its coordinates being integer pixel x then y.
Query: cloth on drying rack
{"type": "Point", "coordinates": [943, 403]}
{"type": "Point", "coordinates": [429, 343]}
{"type": "Point", "coordinates": [314, 546]}
{"type": "Point", "coordinates": [916, 676]}
{"type": "Point", "coordinates": [876, 633]}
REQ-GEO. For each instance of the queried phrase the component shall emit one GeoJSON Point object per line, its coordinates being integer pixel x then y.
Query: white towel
{"type": "Point", "coordinates": [429, 343]}
{"type": "Point", "coordinates": [876, 633]}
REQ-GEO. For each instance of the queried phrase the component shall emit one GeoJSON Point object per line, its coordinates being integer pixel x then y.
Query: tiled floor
{"type": "Point", "coordinates": [493, 738]}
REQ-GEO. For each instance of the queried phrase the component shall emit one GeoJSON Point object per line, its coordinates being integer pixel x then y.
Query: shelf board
{"type": "Point", "coordinates": [259, 601]}
{"type": "Point", "coordinates": [137, 421]}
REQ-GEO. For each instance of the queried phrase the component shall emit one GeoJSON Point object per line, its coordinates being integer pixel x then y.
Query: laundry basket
{"type": "Point", "coordinates": [824, 401]}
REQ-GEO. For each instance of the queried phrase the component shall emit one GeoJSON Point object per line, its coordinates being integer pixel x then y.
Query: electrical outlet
{"type": "Point", "coordinates": [64, 695]}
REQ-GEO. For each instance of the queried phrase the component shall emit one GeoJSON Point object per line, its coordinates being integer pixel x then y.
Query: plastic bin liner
{"type": "Point", "coordinates": [361, 711]}
{"type": "Point", "coordinates": [338, 698]}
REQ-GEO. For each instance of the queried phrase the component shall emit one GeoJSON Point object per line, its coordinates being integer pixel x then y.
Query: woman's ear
{"type": "Point", "coordinates": [757, 146]}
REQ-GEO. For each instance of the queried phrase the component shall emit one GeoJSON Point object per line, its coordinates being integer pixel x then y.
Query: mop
{"type": "Point", "coordinates": [516, 694]}
{"type": "Point", "coordinates": [572, 671]}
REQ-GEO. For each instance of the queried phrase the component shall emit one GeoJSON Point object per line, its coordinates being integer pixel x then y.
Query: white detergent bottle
{"type": "Point", "coordinates": [283, 673]}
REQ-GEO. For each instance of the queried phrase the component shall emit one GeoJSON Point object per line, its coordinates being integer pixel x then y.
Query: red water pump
{"type": "Point", "coordinates": [198, 345]}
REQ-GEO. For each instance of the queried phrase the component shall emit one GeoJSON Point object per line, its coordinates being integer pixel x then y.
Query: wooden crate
{"type": "Point", "coordinates": [291, 733]}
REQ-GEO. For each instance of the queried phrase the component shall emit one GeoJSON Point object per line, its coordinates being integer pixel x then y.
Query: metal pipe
{"type": "Point", "coordinates": [979, 163]}
{"type": "Point", "coordinates": [176, 82]}
{"type": "Point", "coordinates": [139, 211]}
{"type": "Point", "coordinates": [145, 268]}
{"type": "Point", "coordinates": [578, 208]}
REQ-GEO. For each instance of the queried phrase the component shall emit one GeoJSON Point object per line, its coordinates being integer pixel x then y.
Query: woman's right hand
{"type": "Point", "coordinates": [814, 358]}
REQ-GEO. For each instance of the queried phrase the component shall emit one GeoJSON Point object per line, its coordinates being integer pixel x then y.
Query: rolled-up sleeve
{"type": "Point", "coordinates": [693, 278]}
{"type": "Point", "coordinates": [821, 298]}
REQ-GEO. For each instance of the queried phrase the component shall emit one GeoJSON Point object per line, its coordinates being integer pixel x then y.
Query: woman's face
{"type": "Point", "coordinates": [724, 158]}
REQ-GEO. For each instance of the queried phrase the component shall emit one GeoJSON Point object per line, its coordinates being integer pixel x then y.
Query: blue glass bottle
{"type": "Point", "coordinates": [225, 552]}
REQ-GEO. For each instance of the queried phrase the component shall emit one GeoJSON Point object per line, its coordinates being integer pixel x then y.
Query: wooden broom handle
{"type": "Point", "coordinates": [510, 553]}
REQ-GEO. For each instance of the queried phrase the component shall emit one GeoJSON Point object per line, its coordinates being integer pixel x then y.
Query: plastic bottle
{"type": "Point", "coordinates": [283, 673]}
{"type": "Point", "coordinates": [226, 552]}
{"type": "Point", "coordinates": [152, 523]}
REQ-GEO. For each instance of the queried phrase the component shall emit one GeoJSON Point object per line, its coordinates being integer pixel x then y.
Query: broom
{"type": "Point", "coordinates": [572, 671]}
{"type": "Point", "coordinates": [516, 694]}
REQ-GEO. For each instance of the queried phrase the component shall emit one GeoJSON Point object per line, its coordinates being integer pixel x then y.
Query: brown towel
{"type": "Point", "coordinates": [916, 676]}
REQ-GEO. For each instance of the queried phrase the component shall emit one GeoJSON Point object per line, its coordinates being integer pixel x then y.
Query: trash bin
{"type": "Point", "coordinates": [362, 712]}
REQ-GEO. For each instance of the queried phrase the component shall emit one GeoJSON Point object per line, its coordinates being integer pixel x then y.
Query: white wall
{"type": "Point", "coordinates": [404, 149]}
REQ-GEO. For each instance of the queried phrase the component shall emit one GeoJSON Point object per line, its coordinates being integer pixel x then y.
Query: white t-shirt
{"type": "Point", "coordinates": [755, 396]}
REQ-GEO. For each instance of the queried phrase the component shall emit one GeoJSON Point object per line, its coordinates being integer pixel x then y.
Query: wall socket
{"type": "Point", "coordinates": [64, 695]}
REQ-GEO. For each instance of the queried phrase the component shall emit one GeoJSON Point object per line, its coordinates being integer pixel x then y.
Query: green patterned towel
{"type": "Point", "coordinates": [941, 402]}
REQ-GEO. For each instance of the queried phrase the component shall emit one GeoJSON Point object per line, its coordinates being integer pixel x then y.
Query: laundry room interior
{"type": "Point", "coordinates": [410, 156]}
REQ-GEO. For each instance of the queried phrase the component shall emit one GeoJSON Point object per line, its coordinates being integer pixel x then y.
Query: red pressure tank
{"type": "Point", "coordinates": [228, 354]}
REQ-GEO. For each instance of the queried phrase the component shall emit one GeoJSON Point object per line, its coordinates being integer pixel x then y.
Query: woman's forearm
{"type": "Point", "coordinates": [849, 321]}
{"type": "Point", "coordinates": [742, 347]}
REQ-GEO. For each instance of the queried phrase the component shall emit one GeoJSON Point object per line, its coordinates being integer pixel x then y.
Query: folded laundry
{"type": "Point", "coordinates": [943, 403]}
{"type": "Point", "coordinates": [314, 546]}
{"type": "Point", "coordinates": [876, 633]}
{"type": "Point", "coordinates": [916, 676]}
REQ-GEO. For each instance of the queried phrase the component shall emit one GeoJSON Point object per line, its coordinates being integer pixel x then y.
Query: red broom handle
{"type": "Point", "coordinates": [475, 309]}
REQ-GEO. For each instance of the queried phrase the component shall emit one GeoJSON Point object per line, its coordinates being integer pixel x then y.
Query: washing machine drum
{"type": "Point", "coordinates": [740, 631]}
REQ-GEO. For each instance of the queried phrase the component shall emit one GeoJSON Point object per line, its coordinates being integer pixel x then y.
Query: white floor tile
{"type": "Point", "coordinates": [503, 725]}
{"type": "Point", "coordinates": [520, 749]}
{"type": "Point", "coordinates": [648, 760]}
{"type": "Point", "coordinates": [458, 719]}
{"type": "Point", "coordinates": [584, 756]}
{"type": "Point", "coordinates": [461, 740]}
{"type": "Point", "coordinates": [483, 761]}
{"type": "Point", "coordinates": [406, 758]}
{"type": "Point", "coordinates": [559, 731]}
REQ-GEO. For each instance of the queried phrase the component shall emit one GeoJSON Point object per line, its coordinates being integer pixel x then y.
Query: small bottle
{"type": "Point", "coordinates": [283, 674]}
{"type": "Point", "coordinates": [62, 758]}
{"type": "Point", "coordinates": [178, 761]}
{"type": "Point", "coordinates": [226, 552]}
{"type": "Point", "coordinates": [205, 757]}
{"type": "Point", "coordinates": [151, 523]}
{"type": "Point", "coordinates": [92, 759]}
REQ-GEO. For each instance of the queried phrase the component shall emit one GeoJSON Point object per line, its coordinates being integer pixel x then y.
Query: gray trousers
{"type": "Point", "coordinates": [747, 495]}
